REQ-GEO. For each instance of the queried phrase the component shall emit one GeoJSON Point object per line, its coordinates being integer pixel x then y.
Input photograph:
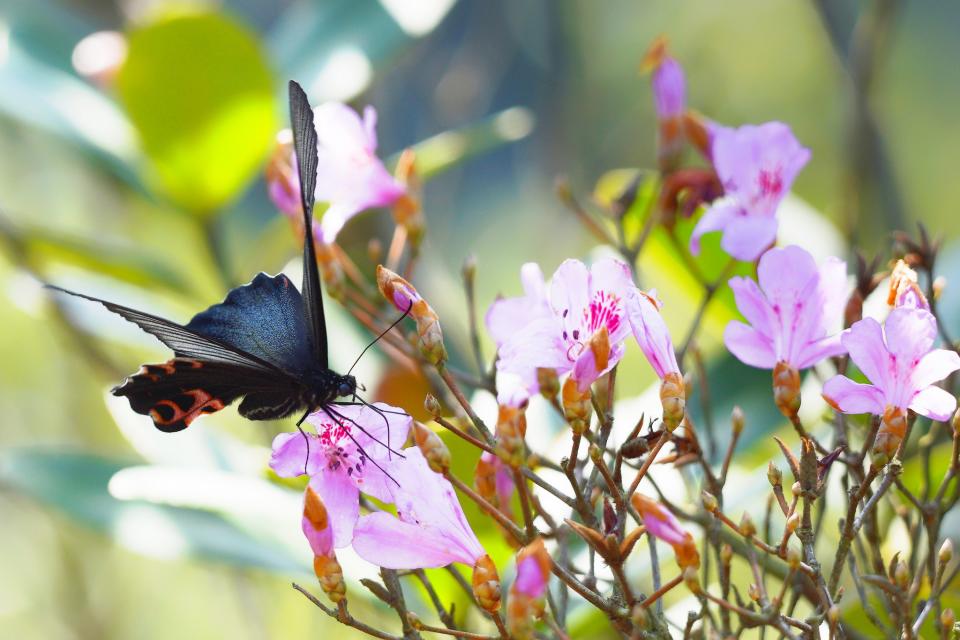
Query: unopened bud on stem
{"type": "Point", "coordinates": [433, 448]}
{"type": "Point", "coordinates": [486, 584]}
{"type": "Point", "coordinates": [786, 389]}
{"type": "Point", "coordinates": [576, 406]}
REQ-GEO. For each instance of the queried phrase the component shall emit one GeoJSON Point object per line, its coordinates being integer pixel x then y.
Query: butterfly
{"type": "Point", "coordinates": [265, 343]}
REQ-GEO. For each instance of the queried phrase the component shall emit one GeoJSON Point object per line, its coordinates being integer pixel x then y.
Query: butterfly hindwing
{"type": "Point", "coordinates": [264, 318]}
{"type": "Point", "coordinates": [305, 145]}
{"type": "Point", "coordinates": [178, 391]}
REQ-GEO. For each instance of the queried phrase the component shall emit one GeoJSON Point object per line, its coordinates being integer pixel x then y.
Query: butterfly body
{"type": "Point", "coordinates": [265, 343]}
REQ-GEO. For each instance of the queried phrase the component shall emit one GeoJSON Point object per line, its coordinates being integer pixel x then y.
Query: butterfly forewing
{"type": "Point", "coordinates": [305, 146]}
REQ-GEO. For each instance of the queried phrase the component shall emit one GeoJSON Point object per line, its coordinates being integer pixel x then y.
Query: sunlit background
{"type": "Point", "coordinates": [134, 135]}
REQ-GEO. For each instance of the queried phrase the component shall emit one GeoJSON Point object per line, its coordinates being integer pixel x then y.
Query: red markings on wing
{"type": "Point", "coordinates": [179, 411]}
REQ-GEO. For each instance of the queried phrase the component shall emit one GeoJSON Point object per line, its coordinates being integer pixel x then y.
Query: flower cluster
{"type": "Point", "coordinates": [386, 486]}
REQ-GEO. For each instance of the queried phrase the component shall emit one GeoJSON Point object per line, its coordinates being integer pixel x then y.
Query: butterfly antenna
{"type": "Point", "coordinates": [382, 333]}
{"type": "Point", "coordinates": [306, 439]}
{"type": "Point", "coordinates": [333, 415]}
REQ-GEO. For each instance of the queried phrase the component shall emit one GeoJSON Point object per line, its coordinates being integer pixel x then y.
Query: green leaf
{"type": "Point", "coordinates": [125, 263]}
{"type": "Point", "coordinates": [450, 148]}
{"type": "Point", "coordinates": [79, 485]}
{"type": "Point", "coordinates": [199, 92]}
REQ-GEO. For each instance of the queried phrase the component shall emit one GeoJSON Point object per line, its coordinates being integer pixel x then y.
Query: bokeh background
{"type": "Point", "coordinates": [140, 179]}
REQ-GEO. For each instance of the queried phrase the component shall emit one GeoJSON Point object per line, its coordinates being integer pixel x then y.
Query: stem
{"type": "Point", "coordinates": [468, 409]}
{"type": "Point", "coordinates": [342, 616]}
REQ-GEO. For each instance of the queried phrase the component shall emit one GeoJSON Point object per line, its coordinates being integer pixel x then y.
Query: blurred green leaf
{"type": "Point", "coordinates": [77, 484]}
{"type": "Point", "coordinates": [43, 96]}
{"type": "Point", "coordinates": [450, 148]}
{"type": "Point", "coordinates": [128, 264]}
{"type": "Point", "coordinates": [200, 94]}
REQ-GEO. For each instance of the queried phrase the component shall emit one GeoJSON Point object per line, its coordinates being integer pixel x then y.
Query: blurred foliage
{"type": "Point", "coordinates": [149, 191]}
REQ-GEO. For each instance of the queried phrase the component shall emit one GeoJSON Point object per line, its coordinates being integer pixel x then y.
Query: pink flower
{"type": "Point", "coordinates": [663, 525]}
{"type": "Point", "coordinates": [757, 165]}
{"type": "Point", "coordinates": [316, 524]}
{"type": "Point", "coordinates": [350, 177]}
{"type": "Point", "coordinates": [556, 328]}
{"type": "Point", "coordinates": [429, 530]}
{"type": "Point", "coordinates": [901, 364]}
{"type": "Point", "coordinates": [346, 457]}
{"type": "Point", "coordinates": [791, 312]}
{"type": "Point", "coordinates": [643, 310]}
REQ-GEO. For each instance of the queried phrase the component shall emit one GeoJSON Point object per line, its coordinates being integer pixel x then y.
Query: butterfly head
{"type": "Point", "coordinates": [346, 386]}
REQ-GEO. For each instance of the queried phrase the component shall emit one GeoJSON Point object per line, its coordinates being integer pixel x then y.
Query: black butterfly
{"type": "Point", "coordinates": [265, 342]}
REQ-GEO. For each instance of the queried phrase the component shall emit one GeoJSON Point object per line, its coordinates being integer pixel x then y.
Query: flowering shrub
{"type": "Point", "coordinates": [383, 484]}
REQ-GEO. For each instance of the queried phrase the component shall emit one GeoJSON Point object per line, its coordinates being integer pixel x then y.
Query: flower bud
{"type": "Point", "coordinates": [774, 475]}
{"type": "Point", "coordinates": [904, 288]}
{"type": "Point", "coordinates": [786, 389]}
{"type": "Point", "coordinates": [316, 528]}
{"type": "Point", "coordinates": [793, 557]}
{"type": "Point", "coordinates": [511, 428]}
{"type": "Point", "coordinates": [431, 404]}
{"type": "Point", "coordinates": [709, 502]}
{"type": "Point", "coordinates": [414, 621]}
{"type": "Point", "coordinates": [833, 615]}
{"type": "Point", "coordinates": [548, 381]}
{"type": "Point", "coordinates": [639, 616]}
{"type": "Point", "coordinates": [901, 575]}
{"type": "Point", "coordinates": [669, 93]}
{"type": "Point", "coordinates": [691, 578]}
{"type": "Point", "coordinates": [407, 211]}
{"type": "Point", "coordinates": [753, 592]}
{"type": "Point", "coordinates": [948, 619]}
{"type": "Point", "coordinates": [577, 407]}
{"type": "Point", "coordinates": [432, 448]}
{"type": "Point", "coordinates": [793, 522]}
{"type": "Point", "coordinates": [405, 297]}
{"type": "Point", "coordinates": [486, 584]}
{"type": "Point", "coordinates": [737, 420]}
{"type": "Point", "coordinates": [796, 488]}
{"type": "Point", "coordinates": [945, 554]}
{"type": "Point", "coordinates": [726, 554]}
{"type": "Point", "coordinates": [747, 528]}
{"type": "Point", "coordinates": [527, 597]}
{"type": "Point", "coordinates": [893, 428]}
{"type": "Point", "coordinates": [673, 400]}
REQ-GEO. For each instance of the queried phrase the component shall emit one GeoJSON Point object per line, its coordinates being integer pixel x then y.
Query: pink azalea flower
{"type": "Point", "coordinates": [554, 328]}
{"type": "Point", "coordinates": [350, 177]}
{"type": "Point", "coordinates": [791, 312]}
{"type": "Point", "coordinates": [316, 524]}
{"type": "Point", "coordinates": [757, 165]}
{"type": "Point", "coordinates": [663, 525]}
{"type": "Point", "coordinates": [901, 364]}
{"type": "Point", "coordinates": [643, 310]}
{"type": "Point", "coordinates": [494, 481]}
{"type": "Point", "coordinates": [337, 467]}
{"type": "Point", "coordinates": [429, 530]}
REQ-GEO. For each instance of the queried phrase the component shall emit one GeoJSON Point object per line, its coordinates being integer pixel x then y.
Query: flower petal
{"type": "Point", "coordinates": [934, 367]}
{"type": "Point", "coordinates": [652, 334]}
{"type": "Point", "coordinates": [388, 542]}
{"type": "Point", "coordinates": [934, 403]}
{"type": "Point", "coordinates": [342, 500]}
{"type": "Point", "coordinates": [340, 129]}
{"type": "Point", "coordinates": [864, 342]}
{"type": "Point", "coordinates": [716, 218]}
{"type": "Point", "coordinates": [746, 237]}
{"type": "Point", "coordinates": [813, 352]}
{"type": "Point", "coordinates": [289, 455]}
{"type": "Point", "coordinates": [570, 290]}
{"type": "Point", "coordinates": [849, 397]}
{"type": "Point", "coordinates": [749, 345]}
{"type": "Point", "coordinates": [754, 305]}
{"type": "Point", "coordinates": [910, 333]}
{"type": "Point", "coordinates": [785, 271]}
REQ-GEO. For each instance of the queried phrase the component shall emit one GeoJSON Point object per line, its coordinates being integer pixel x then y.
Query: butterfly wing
{"type": "Point", "coordinates": [264, 319]}
{"type": "Point", "coordinates": [305, 146]}
{"type": "Point", "coordinates": [178, 391]}
{"type": "Point", "coordinates": [184, 341]}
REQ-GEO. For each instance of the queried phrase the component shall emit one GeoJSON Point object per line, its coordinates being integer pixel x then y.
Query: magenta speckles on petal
{"type": "Point", "coordinates": [757, 166]}
{"type": "Point", "coordinates": [793, 314]}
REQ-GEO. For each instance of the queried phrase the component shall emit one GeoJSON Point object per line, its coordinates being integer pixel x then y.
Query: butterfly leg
{"type": "Point", "coordinates": [334, 415]}
{"type": "Point", "coordinates": [306, 439]}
